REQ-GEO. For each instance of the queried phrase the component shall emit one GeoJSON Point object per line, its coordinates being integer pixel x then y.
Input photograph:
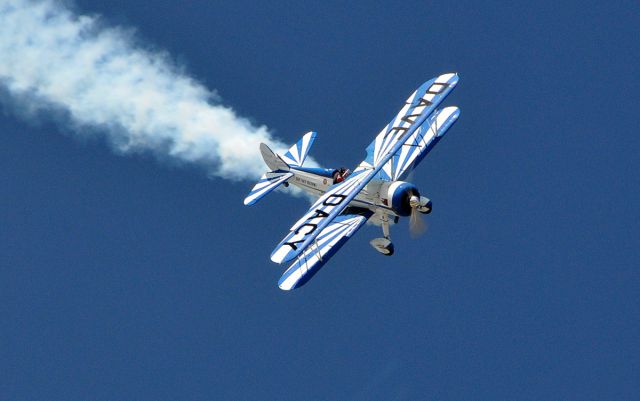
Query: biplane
{"type": "Point", "coordinates": [375, 191]}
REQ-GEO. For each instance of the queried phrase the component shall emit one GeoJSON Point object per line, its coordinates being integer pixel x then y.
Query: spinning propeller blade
{"type": "Point", "coordinates": [417, 224]}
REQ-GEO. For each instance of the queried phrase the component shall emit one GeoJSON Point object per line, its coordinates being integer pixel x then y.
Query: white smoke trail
{"type": "Point", "coordinates": [53, 60]}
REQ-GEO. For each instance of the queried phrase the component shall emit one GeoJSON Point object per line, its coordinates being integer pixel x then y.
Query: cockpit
{"type": "Point", "coordinates": [340, 174]}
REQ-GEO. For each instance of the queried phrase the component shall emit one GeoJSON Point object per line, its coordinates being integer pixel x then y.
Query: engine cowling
{"type": "Point", "coordinates": [397, 195]}
{"type": "Point", "coordinates": [401, 196]}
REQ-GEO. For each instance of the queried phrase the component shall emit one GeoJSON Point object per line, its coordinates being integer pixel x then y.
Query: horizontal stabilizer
{"type": "Point", "coordinates": [268, 182]}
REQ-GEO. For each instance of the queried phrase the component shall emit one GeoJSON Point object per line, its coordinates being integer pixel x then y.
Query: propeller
{"type": "Point", "coordinates": [417, 224]}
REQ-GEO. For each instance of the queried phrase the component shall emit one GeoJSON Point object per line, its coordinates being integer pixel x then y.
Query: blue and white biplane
{"type": "Point", "coordinates": [374, 191]}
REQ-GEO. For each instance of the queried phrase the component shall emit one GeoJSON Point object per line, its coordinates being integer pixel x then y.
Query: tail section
{"type": "Point", "coordinates": [280, 166]}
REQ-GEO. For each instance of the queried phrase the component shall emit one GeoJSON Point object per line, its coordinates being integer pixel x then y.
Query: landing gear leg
{"type": "Point", "coordinates": [385, 227]}
{"type": "Point", "coordinates": [383, 245]}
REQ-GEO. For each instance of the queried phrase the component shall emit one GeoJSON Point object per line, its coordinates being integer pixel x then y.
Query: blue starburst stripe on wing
{"type": "Point", "coordinates": [268, 182]}
{"type": "Point", "coordinates": [418, 106]}
{"type": "Point", "coordinates": [420, 143]}
{"type": "Point", "coordinates": [296, 154]}
{"type": "Point", "coordinates": [328, 242]}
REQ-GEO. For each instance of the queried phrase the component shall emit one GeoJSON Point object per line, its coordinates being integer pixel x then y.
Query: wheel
{"type": "Point", "coordinates": [382, 245]}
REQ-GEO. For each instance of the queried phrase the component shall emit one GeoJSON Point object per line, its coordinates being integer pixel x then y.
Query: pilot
{"type": "Point", "coordinates": [340, 175]}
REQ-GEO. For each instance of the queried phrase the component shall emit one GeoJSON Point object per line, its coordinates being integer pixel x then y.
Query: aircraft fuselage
{"type": "Point", "coordinates": [374, 196]}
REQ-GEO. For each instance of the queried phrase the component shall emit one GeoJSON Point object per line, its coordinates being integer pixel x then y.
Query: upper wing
{"type": "Point", "coordinates": [417, 108]}
{"type": "Point", "coordinates": [328, 242]}
{"type": "Point", "coordinates": [420, 143]}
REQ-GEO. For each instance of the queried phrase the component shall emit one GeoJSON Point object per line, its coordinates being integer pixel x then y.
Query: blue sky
{"type": "Point", "coordinates": [128, 278]}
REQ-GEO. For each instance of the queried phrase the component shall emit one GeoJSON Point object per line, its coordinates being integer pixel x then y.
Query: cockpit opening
{"type": "Point", "coordinates": [340, 174]}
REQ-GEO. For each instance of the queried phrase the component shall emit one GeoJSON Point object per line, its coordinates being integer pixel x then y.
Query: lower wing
{"type": "Point", "coordinates": [326, 244]}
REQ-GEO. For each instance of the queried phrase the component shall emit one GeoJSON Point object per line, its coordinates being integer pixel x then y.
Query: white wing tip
{"type": "Point", "coordinates": [279, 255]}
{"type": "Point", "coordinates": [448, 77]}
{"type": "Point", "coordinates": [284, 286]}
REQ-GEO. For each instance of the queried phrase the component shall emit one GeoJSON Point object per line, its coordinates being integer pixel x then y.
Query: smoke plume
{"type": "Point", "coordinates": [53, 61]}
